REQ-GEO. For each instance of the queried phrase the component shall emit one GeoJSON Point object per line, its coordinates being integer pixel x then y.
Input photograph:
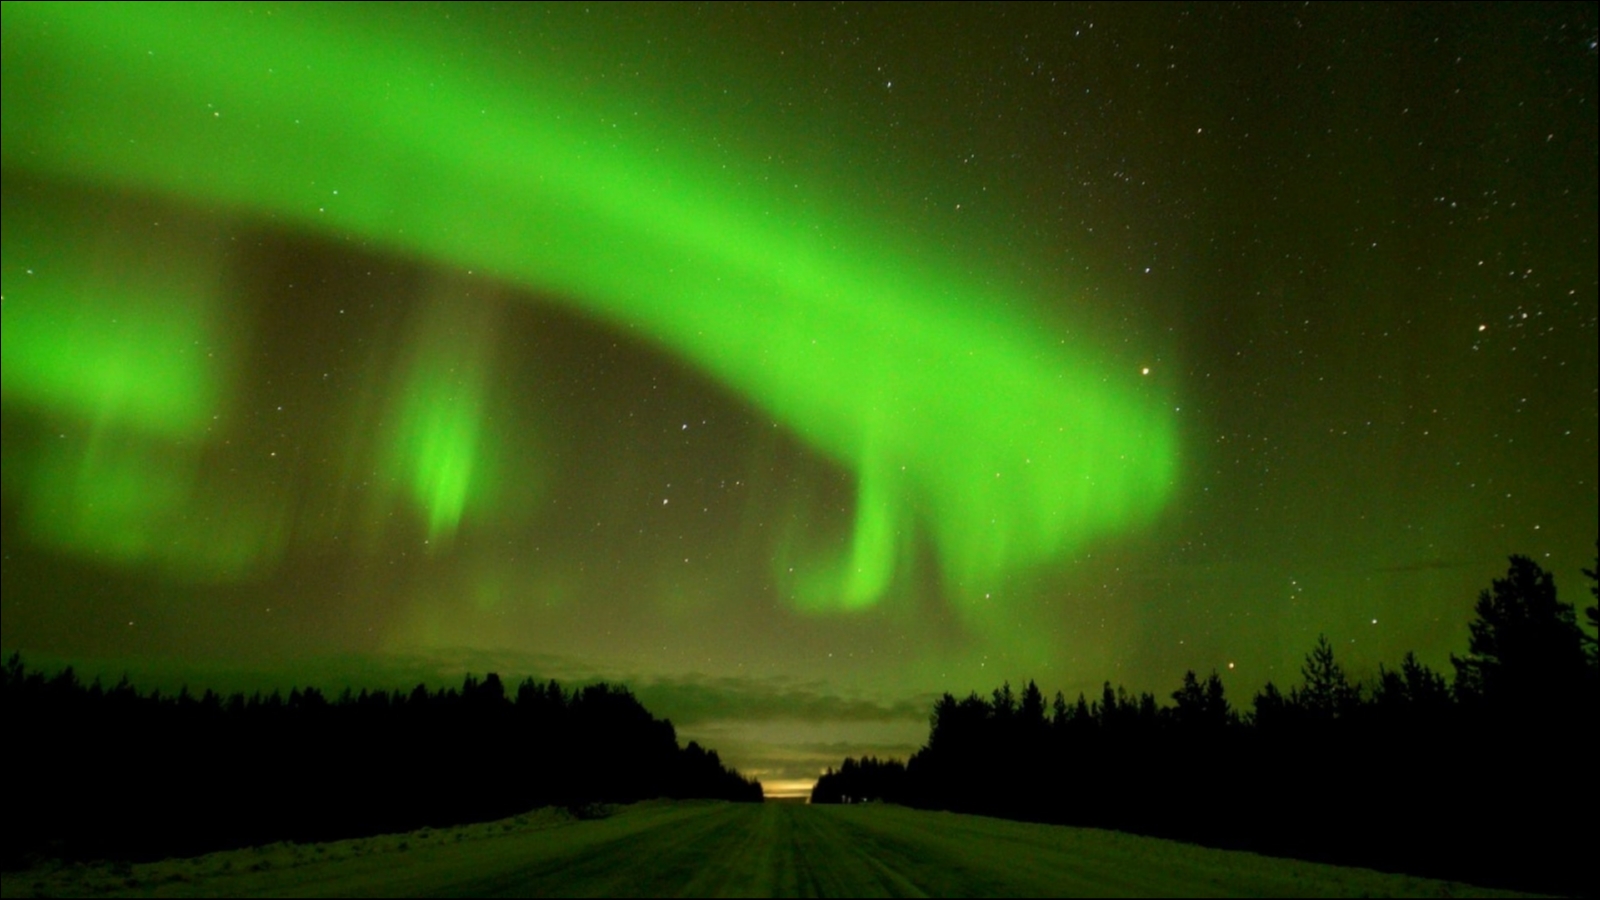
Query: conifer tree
{"type": "Point", "coordinates": [1271, 708]}
{"type": "Point", "coordinates": [1327, 693]}
{"type": "Point", "coordinates": [1525, 645]}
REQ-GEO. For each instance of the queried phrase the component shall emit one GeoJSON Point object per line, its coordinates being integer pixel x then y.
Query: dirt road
{"type": "Point", "coordinates": [719, 850]}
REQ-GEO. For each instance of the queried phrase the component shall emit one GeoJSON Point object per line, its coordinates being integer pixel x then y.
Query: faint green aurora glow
{"type": "Point", "coordinates": [955, 411]}
{"type": "Point", "coordinates": [129, 360]}
{"type": "Point", "coordinates": [94, 331]}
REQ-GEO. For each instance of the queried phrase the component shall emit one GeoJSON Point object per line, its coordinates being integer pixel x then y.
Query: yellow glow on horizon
{"type": "Point", "coordinates": [787, 789]}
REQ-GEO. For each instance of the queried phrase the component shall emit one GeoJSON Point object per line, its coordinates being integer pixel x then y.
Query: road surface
{"type": "Point", "coordinates": [721, 850]}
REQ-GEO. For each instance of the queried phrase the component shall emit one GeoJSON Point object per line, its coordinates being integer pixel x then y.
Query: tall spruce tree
{"type": "Point", "coordinates": [1525, 646]}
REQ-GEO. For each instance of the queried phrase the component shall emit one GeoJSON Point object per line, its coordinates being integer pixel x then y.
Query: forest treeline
{"type": "Point", "coordinates": [1486, 777]}
{"type": "Point", "coordinates": [101, 772]}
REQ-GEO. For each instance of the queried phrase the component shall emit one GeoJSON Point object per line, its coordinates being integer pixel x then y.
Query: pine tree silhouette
{"type": "Point", "coordinates": [1271, 708]}
{"type": "Point", "coordinates": [1327, 693]}
{"type": "Point", "coordinates": [1525, 647]}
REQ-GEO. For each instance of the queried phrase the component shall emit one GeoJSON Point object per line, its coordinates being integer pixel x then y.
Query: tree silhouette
{"type": "Point", "coordinates": [1060, 712]}
{"type": "Point", "coordinates": [1489, 772]}
{"type": "Point", "coordinates": [1272, 709]}
{"type": "Point", "coordinates": [1005, 703]}
{"type": "Point", "coordinates": [1327, 693]}
{"type": "Point", "coordinates": [867, 780]}
{"type": "Point", "coordinates": [1525, 647]}
{"type": "Point", "coordinates": [1593, 612]}
{"type": "Point", "coordinates": [1412, 689]}
{"type": "Point", "coordinates": [240, 771]}
{"type": "Point", "coordinates": [1201, 707]}
{"type": "Point", "coordinates": [1032, 709]}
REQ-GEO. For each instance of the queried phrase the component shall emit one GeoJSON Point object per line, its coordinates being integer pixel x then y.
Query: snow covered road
{"type": "Point", "coordinates": [719, 850]}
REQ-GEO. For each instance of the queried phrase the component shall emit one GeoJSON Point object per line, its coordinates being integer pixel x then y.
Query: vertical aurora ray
{"type": "Point", "coordinates": [903, 363]}
{"type": "Point", "coordinates": [440, 448]}
{"type": "Point", "coordinates": [439, 451]}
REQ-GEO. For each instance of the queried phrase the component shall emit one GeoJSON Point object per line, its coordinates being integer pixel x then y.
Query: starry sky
{"type": "Point", "coordinates": [792, 363]}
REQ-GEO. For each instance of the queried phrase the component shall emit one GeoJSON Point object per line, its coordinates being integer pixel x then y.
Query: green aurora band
{"type": "Point", "coordinates": [957, 412]}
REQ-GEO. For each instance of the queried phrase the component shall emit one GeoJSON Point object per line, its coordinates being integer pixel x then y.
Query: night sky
{"type": "Point", "coordinates": [794, 364]}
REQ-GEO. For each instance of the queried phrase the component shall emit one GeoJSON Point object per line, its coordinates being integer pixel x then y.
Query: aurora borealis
{"type": "Point", "coordinates": [799, 363]}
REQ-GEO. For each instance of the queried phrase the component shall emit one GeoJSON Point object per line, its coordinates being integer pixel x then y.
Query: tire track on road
{"type": "Point", "coordinates": [655, 861]}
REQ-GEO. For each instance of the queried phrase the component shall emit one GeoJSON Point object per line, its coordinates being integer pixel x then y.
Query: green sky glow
{"type": "Point", "coordinates": [103, 336]}
{"type": "Point", "coordinates": [765, 352]}
{"type": "Point", "coordinates": [902, 365]}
